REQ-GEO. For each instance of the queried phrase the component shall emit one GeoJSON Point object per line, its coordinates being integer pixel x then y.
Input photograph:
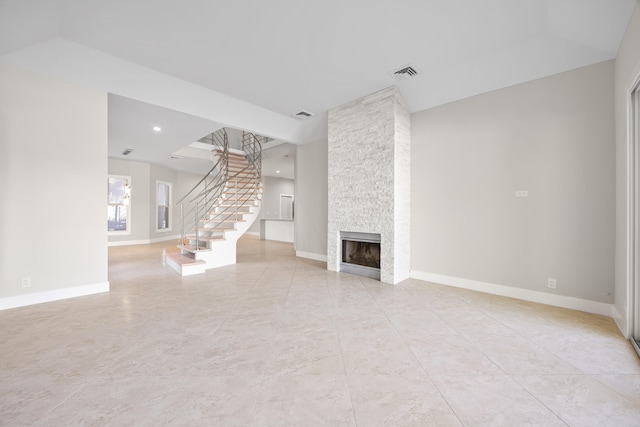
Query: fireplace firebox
{"type": "Point", "coordinates": [360, 254]}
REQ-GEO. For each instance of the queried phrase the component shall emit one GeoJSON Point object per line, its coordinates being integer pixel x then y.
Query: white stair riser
{"type": "Point", "coordinates": [186, 270]}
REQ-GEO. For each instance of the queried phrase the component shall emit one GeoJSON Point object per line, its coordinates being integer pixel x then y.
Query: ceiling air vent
{"type": "Point", "coordinates": [405, 73]}
{"type": "Point", "coordinates": [303, 115]}
{"type": "Point", "coordinates": [127, 151]}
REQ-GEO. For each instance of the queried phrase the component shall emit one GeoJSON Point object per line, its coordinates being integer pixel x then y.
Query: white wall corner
{"type": "Point", "coordinates": [309, 255]}
{"type": "Point", "coordinates": [621, 322]}
{"type": "Point", "coordinates": [55, 295]}
{"type": "Point", "coordinates": [562, 301]}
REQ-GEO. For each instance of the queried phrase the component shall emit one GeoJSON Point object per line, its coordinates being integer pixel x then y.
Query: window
{"type": "Point", "coordinates": [118, 206]}
{"type": "Point", "coordinates": [163, 206]}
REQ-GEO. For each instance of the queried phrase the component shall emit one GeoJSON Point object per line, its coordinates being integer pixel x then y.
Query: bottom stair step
{"type": "Point", "coordinates": [184, 260]}
{"type": "Point", "coordinates": [185, 264]}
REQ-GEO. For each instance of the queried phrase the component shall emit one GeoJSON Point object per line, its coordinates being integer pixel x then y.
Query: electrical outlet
{"type": "Point", "coordinates": [551, 283]}
{"type": "Point", "coordinates": [522, 193]}
{"type": "Point", "coordinates": [26, 282]}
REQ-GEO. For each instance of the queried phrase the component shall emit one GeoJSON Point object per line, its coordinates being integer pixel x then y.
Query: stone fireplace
{"type": "Point", "coordinates": [369, 184]}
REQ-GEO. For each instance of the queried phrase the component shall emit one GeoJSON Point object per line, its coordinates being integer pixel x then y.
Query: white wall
{"type": "Point", "coordinates": [273, 188]}
{"type": "Point", "coordinates": [139, 206]}
{"type": "Point", "coordinates": [53, 137]}
{"type": "Point", "coordinates": [270, 206]}
{"type": "Point", "coordinates": [627, 69]}
{"type": "Point", "coordinates": [144, 177]}
{"type": "Point", "coordinates": [553, 137]}
{"type": "Point", "coordinates": [311, 200]}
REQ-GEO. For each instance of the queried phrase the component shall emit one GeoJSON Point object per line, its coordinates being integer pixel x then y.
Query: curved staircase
{"type": "Point", "coordinates": [220, 207]}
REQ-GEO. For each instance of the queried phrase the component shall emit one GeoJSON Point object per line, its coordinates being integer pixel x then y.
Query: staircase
{"type": "Point", "coordinates": [220, 207]}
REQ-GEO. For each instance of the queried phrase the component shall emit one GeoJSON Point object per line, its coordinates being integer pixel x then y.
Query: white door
{"type": "Point", "coordinates": [286, 206]}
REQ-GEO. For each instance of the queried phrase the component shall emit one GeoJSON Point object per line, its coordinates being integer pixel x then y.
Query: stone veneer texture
{"type": "Point", "coordinates": [369, 178]}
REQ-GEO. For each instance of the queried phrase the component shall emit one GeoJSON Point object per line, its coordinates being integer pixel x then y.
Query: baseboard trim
{"type": "Point", "coordinates": [252, 233]}
{"type": "Point", "coordinates": [572, 303]}
{"type": "Point", "coordinates": [142, 242]}
{"type": "Point", "coordinates": [55, 295]}
{"type": "Point", "coordinates": [621, 322]}
{"type": "Point", "coordinates": [310, 255]}
{"type": "Point", "coordinates": [164, 239]}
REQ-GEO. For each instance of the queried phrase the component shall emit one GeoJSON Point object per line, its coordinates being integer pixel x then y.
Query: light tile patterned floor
{"type": "Point", "coordinates": [279, 341]}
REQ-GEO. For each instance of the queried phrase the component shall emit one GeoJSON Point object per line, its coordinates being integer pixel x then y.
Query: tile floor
{"type": "Point", "coordinates": [279, 341]}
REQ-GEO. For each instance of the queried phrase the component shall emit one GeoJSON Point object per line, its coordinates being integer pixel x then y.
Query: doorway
{"type": "Point", "coordinates": [286, 206]}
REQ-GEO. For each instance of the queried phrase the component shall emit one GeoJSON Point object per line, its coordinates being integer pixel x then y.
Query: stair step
{"type": "Point", "coordinates": [238, 160]}
{"type": "Point", "coordinates": [224, 207]}
{"type": "Point", "coordinates": [245, 180]}
{"type": "Point", "coordinates": [232, 201]}
{"type": "Point", "coordinates": [243, 183]}
{"type": "Point", "coordinates": [217, 221]}
{"type": "Point", "coordinates": [252, 182]}
{"type": "Point", "coordinates": [205, 238]}
{"type": "Point", "coordinates": [239, 190]}
{"type": "Point", "coordinates": [232, 152]}
{"type": "Point", "coordinates": [242, 209]}
{"type": "Point", "coordinates": [248, 196]}
{"type": "Point", "coordinates": [184, 259]}
{"type": "Point", "coordinates": [240, 174]}
{"type": "Point", "coordinates": [193, 248]}
{"type": "Point", "coordinates": [216, 229]}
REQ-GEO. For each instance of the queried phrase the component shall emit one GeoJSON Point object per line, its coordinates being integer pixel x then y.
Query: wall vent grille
{"type": "Point", "coordinates": [303, 114]}
{"type": "Point", "coordinates": [405, 72]}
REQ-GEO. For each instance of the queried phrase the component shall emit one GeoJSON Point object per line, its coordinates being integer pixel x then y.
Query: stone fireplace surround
{"type": "Point", "coordinates": [369, 179]}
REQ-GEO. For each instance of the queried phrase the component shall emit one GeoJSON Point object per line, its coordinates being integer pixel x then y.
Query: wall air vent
{"type": "Point", "coordinates": [127, 151]}
{"type": "Point", "coordinates": [405, 72]}
{"type": "Point", "coordinates": [303, 115]}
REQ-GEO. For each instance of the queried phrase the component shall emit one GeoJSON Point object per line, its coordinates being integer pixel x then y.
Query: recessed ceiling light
{"type": "Point", "coordinates": [277, 171]}
{"type": "Point", "coordinates": [157, 128]}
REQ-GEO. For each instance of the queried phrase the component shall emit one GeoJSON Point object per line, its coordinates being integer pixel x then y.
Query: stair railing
{"type": "Point", "coordinates": [196, 205]}
{"type": "Point", "coordinates": [218, 197]}
{"type": "Point", "coordinates": [242, 186]}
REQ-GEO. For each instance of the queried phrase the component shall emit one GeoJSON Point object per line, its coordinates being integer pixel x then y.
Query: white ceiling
{"type": "Point", "coordinates": [251, 64]}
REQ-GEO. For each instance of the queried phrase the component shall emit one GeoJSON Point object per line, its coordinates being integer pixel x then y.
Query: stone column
{"type": "Point", "coordinates": [369, 178]}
